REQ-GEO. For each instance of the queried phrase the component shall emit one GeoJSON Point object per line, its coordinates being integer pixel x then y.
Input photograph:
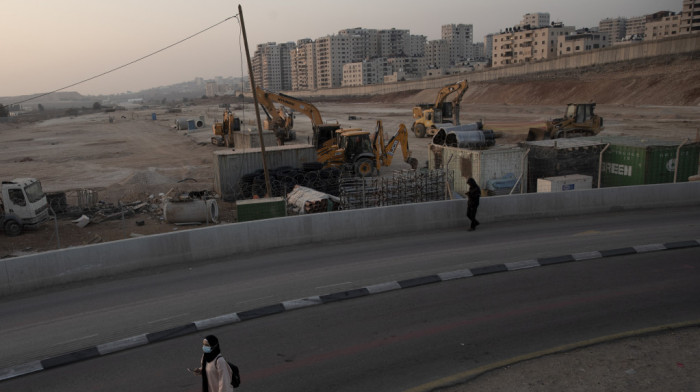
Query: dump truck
{"type": "Point", "coordinates": [579, 120]}
{"type": "Point", "coordinates": [23, 205]}
{"type": "Point", "coordinates": [431, 117]}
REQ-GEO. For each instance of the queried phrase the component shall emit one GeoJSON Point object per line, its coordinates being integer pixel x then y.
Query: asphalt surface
{"type": "Point", "coordinates": [86, 313]}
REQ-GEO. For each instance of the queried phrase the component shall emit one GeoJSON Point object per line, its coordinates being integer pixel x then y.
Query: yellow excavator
{"type": "Point", "coordinates": [363, 153]}
{"type": "Point", "coordinates": [429, 117]}
{"type": "Point", "coordinates": [223, 131]}
{"type": "Point", "coordinates": [579, 120]}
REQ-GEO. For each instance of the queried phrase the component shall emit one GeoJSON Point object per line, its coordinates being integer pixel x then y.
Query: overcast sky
{"type": "Point", "coordinates": [50, 44]}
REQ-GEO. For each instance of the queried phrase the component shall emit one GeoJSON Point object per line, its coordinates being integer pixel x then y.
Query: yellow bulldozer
{"type": "Point", "coordinates": [579, 120]}
{"type": "Point", "coordinates": [428, 118]}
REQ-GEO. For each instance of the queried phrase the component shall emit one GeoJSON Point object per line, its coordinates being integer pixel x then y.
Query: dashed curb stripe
{"type": "Point", "coordinates": [232, 318]}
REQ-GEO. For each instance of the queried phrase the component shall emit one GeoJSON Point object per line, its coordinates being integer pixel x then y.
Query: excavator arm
{"type": "Point", "coordinates": [267, 99]}
{"type": "Point", "coordinates": [385, 152]}
{"type": "Point", "coordinates": [459, 87]}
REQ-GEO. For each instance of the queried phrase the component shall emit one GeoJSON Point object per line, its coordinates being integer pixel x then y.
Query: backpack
{"type": "Point", "coordinates": [235, 375]}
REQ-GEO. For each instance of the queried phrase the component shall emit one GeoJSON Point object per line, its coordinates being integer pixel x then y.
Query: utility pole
{"type": "Point", "coordinates": [255, 99]}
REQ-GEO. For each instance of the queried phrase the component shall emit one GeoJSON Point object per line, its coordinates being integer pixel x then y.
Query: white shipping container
{"type": "Point", "coordinates": [483, 165]}
{"type": "Point", "coordinates": [570, 182]}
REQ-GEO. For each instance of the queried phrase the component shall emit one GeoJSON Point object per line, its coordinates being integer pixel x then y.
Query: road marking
{"type": "Point", "coordinates": [77, 339]}
{"type": "Point", "coordinates": [469, 374]}
{"type": "Point", "coordinates": [168, 318]}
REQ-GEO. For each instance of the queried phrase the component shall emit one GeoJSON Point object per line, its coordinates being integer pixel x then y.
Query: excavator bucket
{"type": "Point", "coordinates": [537, 134]}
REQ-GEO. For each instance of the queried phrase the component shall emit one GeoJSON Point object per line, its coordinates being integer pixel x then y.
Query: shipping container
{"type": "Point", "coordinates": [572, 182]}
{"type": "Point", "coordinates": [561, 157]}
{"type": "Point", "coordinates": [488, 167]}
{"type": "Point", "coordinates": [230, 166]}
{"type": "Point", "coordinates": [635, 161]}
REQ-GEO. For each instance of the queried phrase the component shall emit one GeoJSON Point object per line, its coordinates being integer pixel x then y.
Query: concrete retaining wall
{"type": "Point", "coordinates": [52, 268]}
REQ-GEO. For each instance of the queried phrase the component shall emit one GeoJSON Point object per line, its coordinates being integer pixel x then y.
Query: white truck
{"type": "Point", "coordinates": [23, 205]}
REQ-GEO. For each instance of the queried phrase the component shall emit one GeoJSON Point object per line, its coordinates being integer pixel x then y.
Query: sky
{"type": "Point", "coordinates": [51, 44]}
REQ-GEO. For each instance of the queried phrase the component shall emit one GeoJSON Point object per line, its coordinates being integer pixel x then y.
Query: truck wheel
{"type": "Point", "coordinates": [419, 130]}
{"type": "Point", "coordinates": [13, 228]}
{"type": "Point", "coordinates": [364, 167]}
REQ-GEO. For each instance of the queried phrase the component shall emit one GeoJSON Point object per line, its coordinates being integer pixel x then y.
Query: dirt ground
{"type": "Point", "coordinates": [136, 159]}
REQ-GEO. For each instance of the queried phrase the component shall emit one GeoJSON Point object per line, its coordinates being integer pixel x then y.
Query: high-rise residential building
{"type": "Point", "coordinates": [394, 43]}
{"type": "Point", "coordinates": [460, 40]}
{"type": "Point", "coordinates": [303, 62]}
{"type": "Point", "coordinates": [417, 46]}
{"type": "Point", "coordinates": [272, 68]}
{"type": "Point", "coordinates": [635, 26]}
{"type": "Point", "coordinates": [410, 67]}
{"type": "Point", "coordinates": [488, 45]}
{"type": "Point", "coordinates": [332, 52]}
{"type": "Point", "coordinates": [535, 20]}
{"type": "Point", "coordinates": [690, 17]}
{"type": "Point", "coordinates": [437, 54]}
{"type": "Point", "coordinates": [613, 28]}
{"type": "Point", "coordinates": [365, 42]}
{"type": "Point", "coordinates": [663, 24]}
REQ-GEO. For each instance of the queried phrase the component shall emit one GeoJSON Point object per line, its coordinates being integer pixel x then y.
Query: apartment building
{"type": "Point", "coordinates": [332, 52]}
{"type": "Point", "coordinates": [613, 28]}
{"type": "Point", "coordinates": [409, 67]}
{"type": "Point", "coordinates": [303, 63]}
{"type": "Point", "coordinates": [437, 54]}
{"type": "Point", "coordinates": [580, 41]}
{"type": "Point", "coordinates": [364, 42]}
{"type": "Point", "coordinates": [662, 25]}
{"type": "Point", "coordinates": [272, 67]}
{"type": "Point", "coordinates": [522, 45]}
{"type": "Point", "coordinates": [690, 17]}
{"type": "Point", "coordinates": [535, 20]}
{"type": "Point", "coordinates": [394, 43]}
{"type": "Point", "coordinates": [636, 26]}
{"type": "Point", "coordinates": [365, 72]}
{"type": "Point", "coordinates": [460, 39]}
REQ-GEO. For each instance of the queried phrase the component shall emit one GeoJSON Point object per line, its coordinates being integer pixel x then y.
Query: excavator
{"type": "Point", "coordinates": [223, 131]}
{"type": "Point", "coordinates": [579, 120]}
{"type": "Point", "coordinates": [429, 117]}
{"type": "Point", "coordinates": [364, 154]}
{"type": "Point", "coordinates": [283, 121]}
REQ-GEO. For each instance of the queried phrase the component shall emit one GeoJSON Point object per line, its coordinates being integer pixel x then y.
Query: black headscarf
{"type": "Point", "coordinates": [208, 357]}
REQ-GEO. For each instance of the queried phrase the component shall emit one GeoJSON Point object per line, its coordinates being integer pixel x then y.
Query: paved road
{"type": "Point", "coordinates": [398, 340]}
{"type": "Point", "coordinates": [66, 320]}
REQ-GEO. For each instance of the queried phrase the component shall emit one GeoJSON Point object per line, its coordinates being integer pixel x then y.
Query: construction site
{"type": "Point", "coordinates": [155, 170]}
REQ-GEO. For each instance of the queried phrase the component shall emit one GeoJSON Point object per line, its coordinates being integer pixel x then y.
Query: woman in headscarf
{"type": "Point", "coordinates": [473, 196]}
{"type": "Point", "coordinates": [215, 372]}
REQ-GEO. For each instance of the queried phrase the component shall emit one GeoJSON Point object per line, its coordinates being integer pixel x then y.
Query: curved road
{"type": "Point", "coordinates": [392, 341]}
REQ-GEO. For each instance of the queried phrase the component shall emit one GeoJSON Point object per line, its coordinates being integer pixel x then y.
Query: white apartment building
{"type": "Point", "coordinates": [662, 25]}
{"type": "Point", "coordinates": [303, 63]}
{"type": "Point", "coordinates": [636, 26]}
{"type": "Point", "coordinates": [460, 39]}
{"type": "Point", "coordinates": [409, 67]}
{"type": "Point", "coordinates": [517, 45]}
{"type": "Point", "coordinates": [366, 42]}
{"type": "Point", "coordinates": [690, 17]}
{"type": "Point", "coordinates": [580, 42]}
{"type": "Point", "coordinates": [365, 72]}
{"type": "Point", "coordinates": [535, 20]}
{"type": "Point", "coordinates": [272, 66]}
{"type": "Point", "coordinates": [332, 52]}
{"type": "Point", "coordinates": [394, 43]}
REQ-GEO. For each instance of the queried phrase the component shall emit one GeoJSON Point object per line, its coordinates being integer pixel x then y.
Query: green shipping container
{"type": "Point", "coordinates": [249, 210]}
{"type": "Point", "coordinates": [634, 161]}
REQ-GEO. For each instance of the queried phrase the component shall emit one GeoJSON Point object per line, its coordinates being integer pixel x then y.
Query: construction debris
{"type": "Point", "coordinates": [303, 200]}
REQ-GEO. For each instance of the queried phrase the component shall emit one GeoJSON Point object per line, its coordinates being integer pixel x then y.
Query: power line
{"type": "Point", "coordinates": [127, 64]}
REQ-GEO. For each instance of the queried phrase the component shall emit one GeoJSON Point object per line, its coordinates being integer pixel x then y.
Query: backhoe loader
{"type": "Point", "coordinates": [223, 131]}
{"type": "Point", "coordinates": [431, 117]}
{"type": "Point", "coordinates": [579, 120]}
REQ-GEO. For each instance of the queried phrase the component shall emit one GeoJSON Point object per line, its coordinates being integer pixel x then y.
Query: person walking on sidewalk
{"type": "Point", "coordinates": [473, 196]}
{"type": "Point", "coordinates": [215, 372]}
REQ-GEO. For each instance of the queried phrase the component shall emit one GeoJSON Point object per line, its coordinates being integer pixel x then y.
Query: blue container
{"type": "Point", "coordinates": [153, 116]}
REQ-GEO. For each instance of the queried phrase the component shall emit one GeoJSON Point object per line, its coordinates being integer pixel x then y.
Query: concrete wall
{"type": "Point", "coordinates": [677, 45]}
{"type": "Point", "coordinates": [52, 268]}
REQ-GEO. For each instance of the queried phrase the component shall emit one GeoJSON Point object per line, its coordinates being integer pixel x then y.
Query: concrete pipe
{"type": "Point", "coordinates": [194, 211]}
{"type": "Point", "coordinates": [181, 124]}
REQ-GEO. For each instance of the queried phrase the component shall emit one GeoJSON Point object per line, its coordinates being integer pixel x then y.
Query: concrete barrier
{"type": "Point", "coordinates": [26, 273]}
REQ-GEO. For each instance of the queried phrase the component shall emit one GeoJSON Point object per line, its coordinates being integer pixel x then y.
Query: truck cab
{"type": "Point", "coordinates": [23, 205]}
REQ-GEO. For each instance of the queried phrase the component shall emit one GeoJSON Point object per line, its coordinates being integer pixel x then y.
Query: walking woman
{"type": "Point", "coordinates": [215, 372]}
{"type": "Point", "coordinates": [473, 196]}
